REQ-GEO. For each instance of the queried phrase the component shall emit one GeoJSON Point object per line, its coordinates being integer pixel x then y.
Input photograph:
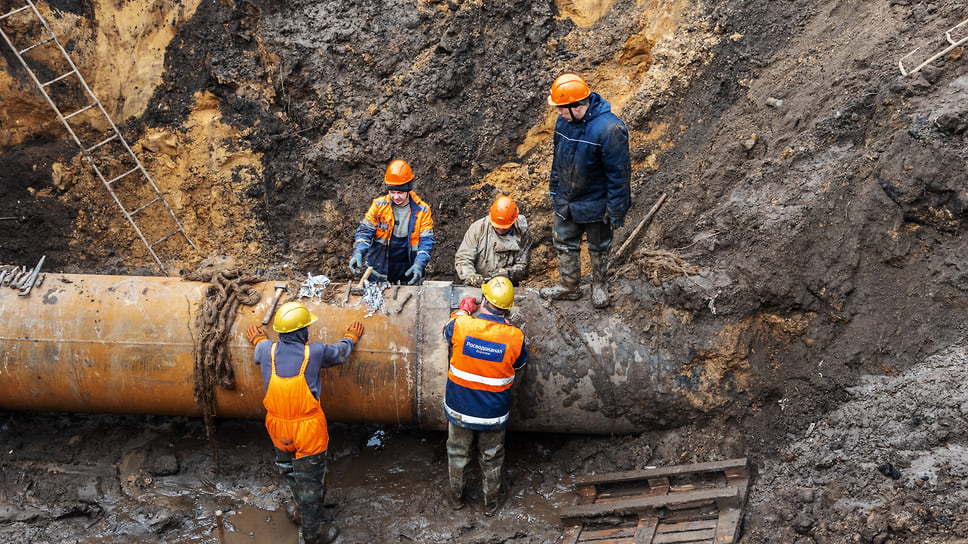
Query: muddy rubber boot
{"type": "Point", "coordinates": [327, 534]}
{"type": "Point", "coordinates": [454, 498]}
{"type": "Point", "coordinates": [569, 268]}
{"type": "Point", "coordinates": [599, 261]}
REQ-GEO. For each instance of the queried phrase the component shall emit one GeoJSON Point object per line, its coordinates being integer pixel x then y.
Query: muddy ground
{"type": "Point", "coordinates": [807, 270]}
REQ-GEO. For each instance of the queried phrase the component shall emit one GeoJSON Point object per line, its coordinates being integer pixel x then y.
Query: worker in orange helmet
{"type": "Point", "coordinates": [397, 234]}
{"type": "Point", "coordinates": [590, 185]}
{"type": "Point", "coordinates": [294, 418]}
{"type": "Point", "coordinates": [495, 245]}
{"type": "Point", "coordinates": [486, 352]}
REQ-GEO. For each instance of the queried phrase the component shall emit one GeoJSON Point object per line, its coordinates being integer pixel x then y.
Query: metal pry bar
{"type": "Point", "coordinates": [33, 277]}
{"type": "Point", "coordinates": [954, 43]}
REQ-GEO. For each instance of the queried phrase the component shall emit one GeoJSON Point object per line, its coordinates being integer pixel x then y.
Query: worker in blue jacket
{"type": "Point", "coordinates": [590, 185]}
{"type": "Point", "coordinates": [486, 352]}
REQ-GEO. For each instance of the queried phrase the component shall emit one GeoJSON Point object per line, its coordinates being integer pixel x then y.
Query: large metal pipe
{"type": "Point", "coordinates": [119, 344]}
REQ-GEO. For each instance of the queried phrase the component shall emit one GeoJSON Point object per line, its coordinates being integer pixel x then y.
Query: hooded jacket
{"type": "Point", "coordinates": [591, 171]}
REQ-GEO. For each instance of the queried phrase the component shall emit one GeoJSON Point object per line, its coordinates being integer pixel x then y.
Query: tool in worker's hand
{"type": "Point", "coordinates": [280, 288]}
{"type": "Point", "coordinates": [358, 289]}
{"type": "Point", "coordinates": [404, 303]}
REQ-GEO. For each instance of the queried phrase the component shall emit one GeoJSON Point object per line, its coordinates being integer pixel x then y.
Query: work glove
{"type": "Point", "coordinates": [415, 273]}
{"type": "Point", "coordinates": [468, 304]}
{"type": "Point", "coordinates": [354, 331]}
{"type": "Point", "coordinates": [616, 222]}
{"type": "Point", "coordinates": [356, 263]}
{"type": "Point", "coordinates": [474, 280]}
{"type": "Point", "coordinates": [255, 334]}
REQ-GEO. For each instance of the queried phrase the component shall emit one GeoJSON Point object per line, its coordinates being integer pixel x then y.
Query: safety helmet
{"type": "Point", "coordinates": [499, 292]}
{"type": "Point", "coordinates": [504, 212]}
{"type": "Point", "coordinates": [398, 173]}
{"type": "Point", "coordinates": [292, 316]}
{"type": "Point", "coordinates": [568, 89]}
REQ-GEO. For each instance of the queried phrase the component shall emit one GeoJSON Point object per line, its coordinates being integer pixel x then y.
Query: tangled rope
{"type": "Point", "coordinates": [213, 362]}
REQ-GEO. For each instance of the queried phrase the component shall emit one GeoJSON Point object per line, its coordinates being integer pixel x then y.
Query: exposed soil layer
{"type": "Point", "coordinates": [807, 271]}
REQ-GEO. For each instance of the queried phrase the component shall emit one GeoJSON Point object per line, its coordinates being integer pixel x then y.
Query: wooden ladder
{"type": "Point", "coordinates": [102, 144]}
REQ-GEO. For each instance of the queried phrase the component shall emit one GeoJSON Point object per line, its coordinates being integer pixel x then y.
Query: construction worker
{"type": "Point", "coordinates": [486, 351]}
{"type": "Point", "coordinates": [397, 233]}
{"type": "Point", "coordinates": [294, 418]}
{"type": "Point", "coordinates": [589, 185]}
{"type": "Point", "coordinates": [496, 245]}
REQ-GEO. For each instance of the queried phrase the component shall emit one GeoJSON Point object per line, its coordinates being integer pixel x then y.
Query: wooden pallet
{"type": "Point", "coordinates": [697, 503]}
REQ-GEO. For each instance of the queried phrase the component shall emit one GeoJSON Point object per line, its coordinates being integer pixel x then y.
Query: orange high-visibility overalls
{"type": "Point", "coordinates": [294, 418]}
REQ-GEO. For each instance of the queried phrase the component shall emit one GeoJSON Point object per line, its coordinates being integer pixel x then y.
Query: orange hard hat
{"type": "Point", "coordinates": [568, 89]}
{"type": "Point", "coordinates": [398, 173]}
{"type": "Point", "coordinates": [504, 212]}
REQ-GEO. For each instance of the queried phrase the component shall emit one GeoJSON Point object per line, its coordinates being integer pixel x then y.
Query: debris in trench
{"type": "Point", "coordinates": [213, 362]}
{"type": "Point", "coordinates": [373, 297]}
{"type": "Point", "coordinates": [701, 502]}
{"type": "Point", "coordinates": [313, 287]}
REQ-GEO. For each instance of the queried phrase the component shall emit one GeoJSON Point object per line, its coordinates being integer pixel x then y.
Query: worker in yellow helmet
{"type": "Point", "coordinates": [495, 245]}
{"type": "Point", "coordinates": [590, 185]}
{"type": "Point", "coordinates": [486, 351]}
{"type": "Point", "coordinates": [294, 418]}
{"type": "Point", "coordinates": [397, 234]}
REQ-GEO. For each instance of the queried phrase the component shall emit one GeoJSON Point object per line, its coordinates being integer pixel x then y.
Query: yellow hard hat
{"type": "Point", "coordinates": [292, 316]}
{"type": "Point", "coordinates": [499, 292]}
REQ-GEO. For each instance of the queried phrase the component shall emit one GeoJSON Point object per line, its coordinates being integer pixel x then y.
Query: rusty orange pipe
{"type": "Point", "coordinates": [123, 344]}
{"type": "Point", "coordinates": [117, 344]}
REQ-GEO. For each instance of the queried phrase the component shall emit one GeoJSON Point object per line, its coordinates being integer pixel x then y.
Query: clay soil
{"type": "Point", "coordinates": [808, 268]}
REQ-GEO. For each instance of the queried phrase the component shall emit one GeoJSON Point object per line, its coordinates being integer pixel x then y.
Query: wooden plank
{"type": "Point", "coordinates": [658, 472]}
{"type": "Point", "coordinates": [686, 536]}
{"type": "Point", "coordinates": [570, 534]}
{"type": "Point", "coordinates": [586, 494]}
{"type": "Point", "coordinates": [645, 531]}
{"type": "Point", "coordinates": [727, 530]}
{"type": "Point", "coordinates": [688, 525]}
{"type": "Point", "coordinates": [632, 506]}
{"type": "Point", "coordinates": [589, 534]}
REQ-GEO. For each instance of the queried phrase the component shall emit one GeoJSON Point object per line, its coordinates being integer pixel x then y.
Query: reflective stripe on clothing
{"type": "Point", "coordinates": [373, 235]}
{"type": "Point", "coordinates": [467, 421]}
{"type": "Point", "coordinates": [294, 418]}
{"type": "Point", "coordinates": [484, 353]}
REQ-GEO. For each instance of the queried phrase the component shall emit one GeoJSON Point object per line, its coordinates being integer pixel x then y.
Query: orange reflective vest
{"type": "Point", "coordinates": [294, 418]}
{"type": "Point", "coordinates": [486, 351]}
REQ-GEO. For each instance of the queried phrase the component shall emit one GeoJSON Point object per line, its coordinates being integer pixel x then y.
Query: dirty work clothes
{"type": "Point", "coordinates": [591, 171]}
{"type": "Point", "coordinates": [294, 418]}
{"type": "Point", "coordinates": [374, 234]}
{"type": "Point", "coordinates": [483, 251]}
{"type": "Point", "coordinates": [306, 477]}
{"type": "Point", "coordinates": [490, 455]}
{"type": "Point", "coordinates": [567, 235]}
{"type": "Point", "coordinates": [290, 354]}
{"type": "Point", "coordinates": [485, 353]}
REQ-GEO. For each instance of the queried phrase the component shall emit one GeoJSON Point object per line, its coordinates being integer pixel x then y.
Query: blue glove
{"type": "Point", "coordinates": [356, 263]}
{"type": "Point", "coordinates": [616, 222]}
{"type": "Point", "coordinates": [415, 273]}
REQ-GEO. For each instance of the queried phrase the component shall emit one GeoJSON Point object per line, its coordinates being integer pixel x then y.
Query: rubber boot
{"type": "Point", "coordinates": [459, 443]}
{"type": "Point", "coordinates": [569, 268]}
{"type": "Point", "coordinates": [309, 475]}
{"type": "Point", "coordinates": [491, 450]}
{"type": "Point", "coordinates": [599, 261]}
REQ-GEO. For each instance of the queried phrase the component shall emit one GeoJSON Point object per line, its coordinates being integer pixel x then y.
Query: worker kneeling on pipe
{"type": "Point", "coordinates": [486, 350]}
{"type": "Point", "coordinates": [294, 417]}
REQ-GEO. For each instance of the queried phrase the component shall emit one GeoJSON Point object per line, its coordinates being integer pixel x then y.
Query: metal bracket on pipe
{"type": "Point", "coordinates": [954, 43]}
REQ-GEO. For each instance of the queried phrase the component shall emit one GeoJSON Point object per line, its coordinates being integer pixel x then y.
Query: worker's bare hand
{"type": "Point", "coordinates": [354, 331]}
{"type": "Point", "coordinates": [255, 334]}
